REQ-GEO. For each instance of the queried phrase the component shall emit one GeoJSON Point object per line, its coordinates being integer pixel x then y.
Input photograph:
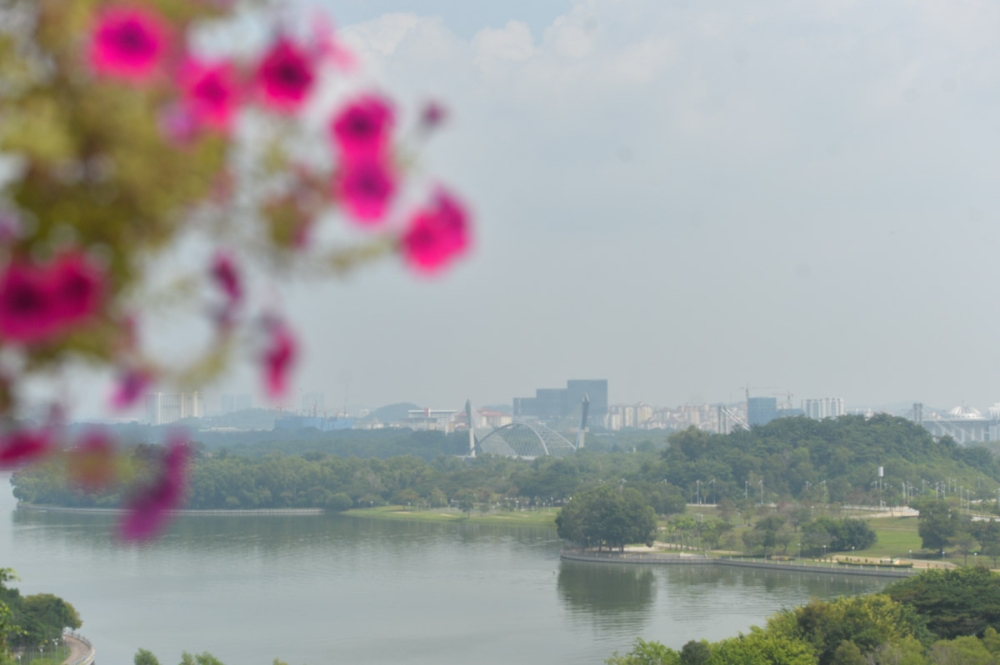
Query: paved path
{"type": "Point", "coordinates": [79, 651]}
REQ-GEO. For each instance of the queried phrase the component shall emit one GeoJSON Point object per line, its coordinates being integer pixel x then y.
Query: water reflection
{"type": "Point", "coordinates": [274, 533]}
{"type": "Point", "coordinates": [607, 589]}
{"type": "Point", "coordinates": [342, 589]}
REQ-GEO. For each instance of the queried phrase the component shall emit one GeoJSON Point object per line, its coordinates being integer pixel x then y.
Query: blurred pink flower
{"type": "Point", "coordinates": [211, 93]}
{"type": "Point", "coordinates": [27, 311]}
{"type": "Point", "coordinates": [226, 276]}
{"type": "Point", "coordinates": [432, 116]}
{"type": "Point", "coordinates": [129, 43]}
{"type": "Point", "coordinates": [77, 286]}
{"type": "Point", "coordinates": [436, 234]}
{"type": "Point", "coordinates": [278, 360]}
{"type": "Point", "coordinates": [37, 302]}
{"type": "Point", "coordinates": [324, 37]}
{"type": "Point", "coordinates": [178, 124]}
{"type": "Point", "coordinates": [132, 386]}
{"type": "Point", "coordinates": [10, 226]}
{"type": "Point", "coordinates": [366, 188]}
{"type": "Point", "coordinates": [286, 76]}
{"type": "Point", "coordinates": [362, 128]}
{"type": "Point", "coordinates": [148, 512]}
{"type": "Point", "coordinates": [92, 460]}
{"type": "Point", "coordinates": [23, 447]}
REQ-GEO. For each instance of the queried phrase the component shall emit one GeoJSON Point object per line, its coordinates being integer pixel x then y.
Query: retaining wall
{"type": "Point", "coordinates": [656, 558]}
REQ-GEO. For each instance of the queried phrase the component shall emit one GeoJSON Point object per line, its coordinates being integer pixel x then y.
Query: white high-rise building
{"type": "Point", "coordinates": [164, 408]}
{"type": "Point", "coordinates": [825, 407]}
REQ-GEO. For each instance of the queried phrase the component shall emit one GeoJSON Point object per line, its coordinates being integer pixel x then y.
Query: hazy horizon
{"type": "Point", "coordinates": [683, 199]}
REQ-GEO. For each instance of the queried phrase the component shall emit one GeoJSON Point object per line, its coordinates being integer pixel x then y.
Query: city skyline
{"type": "Point", "coordinates": [715, 202]}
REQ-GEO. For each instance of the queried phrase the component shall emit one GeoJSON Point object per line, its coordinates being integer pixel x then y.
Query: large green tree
{"type": "Point", "coordinates": [937, 525]}
{"type": "Point", "coordinates": [607, 517]}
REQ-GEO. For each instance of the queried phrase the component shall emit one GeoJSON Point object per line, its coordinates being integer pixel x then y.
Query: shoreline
{"type": "Point", "coordinates": [658, 559]}
{"type": "Point", "coordinates": [44, 508]}
{"type": "Point", "coordinates": [533, 518]}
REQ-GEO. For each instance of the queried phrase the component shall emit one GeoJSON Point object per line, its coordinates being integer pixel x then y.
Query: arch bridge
{"type": "Point", "coordinates": [526, 440]}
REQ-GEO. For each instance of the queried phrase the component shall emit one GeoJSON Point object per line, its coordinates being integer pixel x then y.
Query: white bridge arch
{"type": "Point", "coordinates": [526, 440]}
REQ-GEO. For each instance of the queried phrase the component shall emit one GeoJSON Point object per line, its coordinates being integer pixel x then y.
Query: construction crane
{"type": "Point", "coordinates": [747, 388]}
{"type": "Point", "coordinates": [788, 395]}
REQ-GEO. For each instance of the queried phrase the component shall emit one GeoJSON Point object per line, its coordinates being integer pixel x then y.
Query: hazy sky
{"type": "Point", "coordinates": [683, 197]}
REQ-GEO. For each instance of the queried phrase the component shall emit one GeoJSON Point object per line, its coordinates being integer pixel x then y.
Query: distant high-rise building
{"type": "Point", "coordinates": [761, 410]}
{"type": "Point", "coordinates": [164, 408]}
{"type": "Point", "coordinates": [556, 403]}
{"type": "Point", "coordinates": [826, 407]}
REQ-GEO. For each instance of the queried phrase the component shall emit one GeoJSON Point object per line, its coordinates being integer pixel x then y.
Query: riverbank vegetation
{"type": "Point", "coordinates": [935, 618]}
{"type": "Point", "coordinates": [31, 624]}
{"type": "Point", "coordinates": [796, 470]}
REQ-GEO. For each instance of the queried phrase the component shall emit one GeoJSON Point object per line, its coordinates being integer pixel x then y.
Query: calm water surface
{"type": "Point", "coordinates": [315, 590]}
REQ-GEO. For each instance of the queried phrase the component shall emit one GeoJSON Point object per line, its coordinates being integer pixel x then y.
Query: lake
{"type": "Point", "coordinates": [316, 590]}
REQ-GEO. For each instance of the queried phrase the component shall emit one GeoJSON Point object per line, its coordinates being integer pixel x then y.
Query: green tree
{"type": "Point", "coordinates": [466, 500]}
{"type": "Point", "coordinates": [646, 653]}
{"type": "Point", "coordinates": [966, 650]}
{"type": "Point", "coordinates": [848, 653]}
{"type": "Point", "coordinates": [144, 657]}
{"type": "Point", "coordinates": [937, 523]}
{"type": "Point", "coordinates": [991, 640]}
{"type": "Point", "coordinates": [866, 621]}
{"type": "Point", "coordinates": [963, 601]}
{"type": "Point", "coordinates": [605, 517]}
{"type": "Point", "coordinates": [696, 653]}
{"type": "Point", "coordinates": [762, 647]}
{"type": "Point", "coordinates": [767, 534]}
{"type": "Point", "coordinates": [908, 651]}
{"type": "Point", "coordinates": [988, 535]}
{"type": "Point", "coordinates": [43, 617]}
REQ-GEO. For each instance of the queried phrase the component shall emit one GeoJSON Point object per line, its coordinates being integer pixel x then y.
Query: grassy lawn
{"type": "Point", "coordinates": [540, 517]}
{"type": "Point", "coordinates": [51, 657]}
{"type": "Point", "coordinates": [896, 537]}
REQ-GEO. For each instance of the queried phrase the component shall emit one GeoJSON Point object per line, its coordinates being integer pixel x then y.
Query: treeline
{"type": "Point", "coordinates": [221, 480]}
{"type": "Point", "coordinates": [792, 459]}
{"type": "Point", "coordinates": [826, 461]}
{"type": "Point", "coordinates": [935, 618]}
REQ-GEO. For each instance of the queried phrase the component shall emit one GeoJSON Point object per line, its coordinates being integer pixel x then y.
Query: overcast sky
{"type": "Point", "coordinates": [684, 197]}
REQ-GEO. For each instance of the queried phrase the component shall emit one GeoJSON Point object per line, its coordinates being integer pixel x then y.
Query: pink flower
{"type": "Point", "coordinates": [285, 77]}
{"type": "Point", "coordinates": [366, 188]}
{"type": "Point", "coordinates": [128, 43]}
{"type": "Point", "coordinates": [132, 386]}
{"type": "Point", "coordinates": [362, 129]}
{"type": "Point", "coordinates": [278, 360]}
{"type": "Point", "coordinates": [77, 288]}
{"type": "Point", "coordinates": [227, 277]}
{"type": "Point", "coordinates": [178, 124]}
{"type": "Point", "coordinates": [211, 93]}
{"type": "Point", "coordinates": [27, 312]}
{"type": "Point", "coordinates": [148, 512]}
{"type": "Point", "coordinates": [92, 461]}
{"type": "Point", "coordinates": [432, 116]}
{"type": "Point", "coordinates": [36, 303]}
{"type": "Point", "coordinates": [23, 447]}
{"type": "Point", "coordinates": [436, 234]}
